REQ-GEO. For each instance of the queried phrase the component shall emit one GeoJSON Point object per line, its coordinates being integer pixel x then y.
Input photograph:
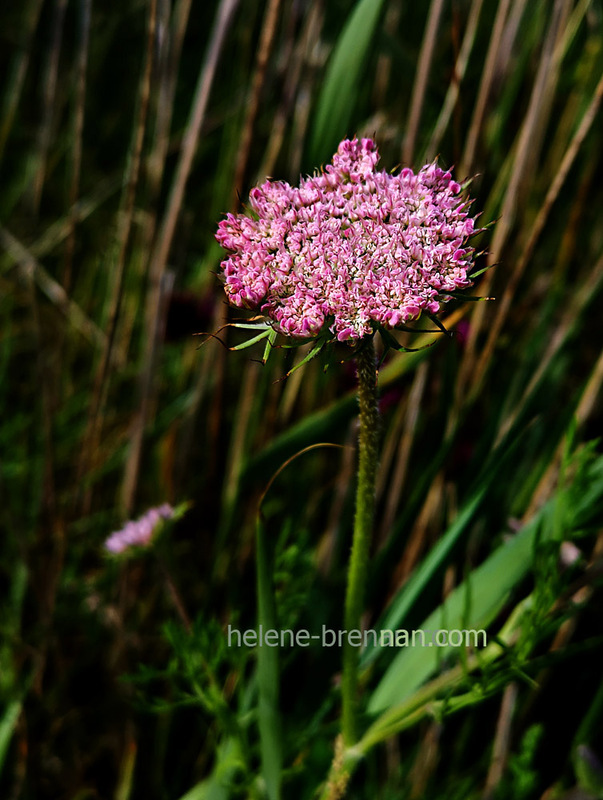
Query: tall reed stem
{"type": "Point", "coordinates": [363, 523]}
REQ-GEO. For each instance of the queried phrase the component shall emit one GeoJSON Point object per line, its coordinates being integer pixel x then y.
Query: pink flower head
{"type": "Point", "coordinates": [138, 533]}
{"type": "Point", "coordinates": [349, 247]}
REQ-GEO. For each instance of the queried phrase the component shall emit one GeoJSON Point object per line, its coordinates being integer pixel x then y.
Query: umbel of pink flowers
{"type": "Point", "coordinates": [349, 247]}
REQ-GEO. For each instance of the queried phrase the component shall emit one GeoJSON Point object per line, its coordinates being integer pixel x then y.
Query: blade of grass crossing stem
{"type": "Point", "coordinates": [479, 599]}
{"type": "Point", "coordinates": [474, 604]}
{"type": "Point", "coordinates": [404, 601]}
{"type": "Point", "coordinates": [268, 677]}
{"type": "Point", "coordinates": [340, 88]}
{"type": "Point", "coordinates": [493, 467]}
{"type": "Point", "coordinates": [424, 703]}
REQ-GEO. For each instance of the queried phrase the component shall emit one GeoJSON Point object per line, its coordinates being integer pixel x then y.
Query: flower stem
{"type": "Point", "coordinates": [363, 523]}
{"type": "Point", "coordinates": [342, 768]}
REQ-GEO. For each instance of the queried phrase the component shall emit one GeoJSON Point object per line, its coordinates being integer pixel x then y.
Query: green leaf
{"type": "Point", "coordinates": [469, 298]}
{"type": "Point", "coordinates": [265, 334]}
{"type": "Point", "coordinates": [251, 326]}
{"type": "Point", "coordinates": [269, 345]}
{"type": "Point", "coordinates": [312, 354]}
{"type": "Point", "coordinates": [343, 75]}
{"type": "Point", "coordinates": [439, 325]}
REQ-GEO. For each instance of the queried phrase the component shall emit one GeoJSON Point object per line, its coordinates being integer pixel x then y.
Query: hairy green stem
{"type": "Point", "coordinates": [363, 523]}
{"type": "Point", "coordinates": [342, 768]}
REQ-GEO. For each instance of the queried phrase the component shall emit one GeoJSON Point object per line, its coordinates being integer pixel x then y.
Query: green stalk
{"type": "Point", "coordinates": [363, 523]}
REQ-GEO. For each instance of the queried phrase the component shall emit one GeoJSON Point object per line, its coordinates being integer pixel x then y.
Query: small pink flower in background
{"type": "Point", "coordinates": [138, 533]}
{"type": "Point", "coordinates": [349, 247]}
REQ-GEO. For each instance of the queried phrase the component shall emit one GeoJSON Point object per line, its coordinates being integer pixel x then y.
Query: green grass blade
{"type": "Point", "coordinates": [479, 599]}
{"type": "Point", "coordinates": [404, 601]}
{"type": "Point", "coordinates": [7, 726]}
{"type": "Point", "coordinates": [268, 673]}
{"type": "Point", "coordinates": [340, 89]}
{"type": "Point", "coordinates": [474, 604]}
{"type": "Point", "coordinates": [424, 703]}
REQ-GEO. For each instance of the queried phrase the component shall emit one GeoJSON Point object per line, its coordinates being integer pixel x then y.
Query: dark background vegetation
{"type": "Point", "coordinates": [115, 677]}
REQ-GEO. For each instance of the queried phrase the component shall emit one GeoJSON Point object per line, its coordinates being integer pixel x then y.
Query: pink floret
{"type": "Point", "coordinates": [349, 247]}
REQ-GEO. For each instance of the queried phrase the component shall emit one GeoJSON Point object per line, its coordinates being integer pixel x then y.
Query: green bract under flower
{"type": "Point", "coordinates": [349, 248]}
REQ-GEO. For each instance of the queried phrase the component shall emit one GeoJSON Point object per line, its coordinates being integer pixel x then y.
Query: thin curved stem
{"type": "Point", "coordinates": [363, 524]}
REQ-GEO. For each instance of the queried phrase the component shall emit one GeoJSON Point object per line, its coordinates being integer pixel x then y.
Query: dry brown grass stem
{"type": "Point", "coordinates": [18, 71]}
{"type": "Point", "coordinates": [426, 760]}
{"type": "Point", "coordinates": [509, 44]}
{"type": "Point", "coordinates": [239, 438]}
{"type": "Point", "coordinates": [45, 130]}
{"type": "Point", "coordinates": [190, 141]}
{"type": "Point", "coordinates": [296, 63]}
{"type": "Point", "coordinates": [454, 88]}
{"type": "Point", "coordinates": [29, 267]}
{"type": "Point", "coordinates": [292, 385]}
{"type": "Point", "coordinates": [579, 300]}
{"type": "Point", "coordinates": [124, 224]}
{"type": "Point", "coordinates": [163, 245]}
{"type": "Point", "coordinates": [502, 740]}
{"type": "Point", "coordinates": [420, 84]}
{"type": "Point", "coordinates": [484, 89]}
{"type": "Point", "coordinates": [532, 131]}
{"type": "Point", "coordinates": [384, 63]}
{"type": "Point", "coordinates": [586, 405]}
{"type": "Point", "coordinates": [314, 61]}
{"type": "Point", "coordinates": [521, 178]}
{"type": "Point", "coordinates": [77, 134]}
{"type": "Point", "coordinates": [169, 60]}
{"type": "Point", "coordinates": [263, 54]}
{"type": "Point", "coordinates": [503, 308]}
{"type": "Point", "coordinates": [405, 443]}
{"type": "Point", "coordinates": [417, 543]}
